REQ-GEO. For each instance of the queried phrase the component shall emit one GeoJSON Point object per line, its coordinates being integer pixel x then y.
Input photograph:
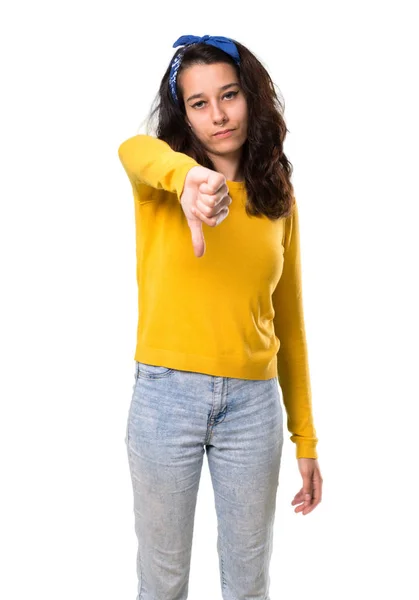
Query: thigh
{"type": "Point", "coordinates": [165, 460]}
{"type": "Point", "coordinates": [244, 460]}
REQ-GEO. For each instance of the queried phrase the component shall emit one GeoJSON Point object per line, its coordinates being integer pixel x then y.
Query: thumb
{"type": "Point", "coordinates": [198, 241]}
{"type": "Point", "coordinates": [307, 488]}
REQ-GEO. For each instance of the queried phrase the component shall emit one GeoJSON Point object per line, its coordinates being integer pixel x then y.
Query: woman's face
{"type": "Point", "coordinates": [212, 108]}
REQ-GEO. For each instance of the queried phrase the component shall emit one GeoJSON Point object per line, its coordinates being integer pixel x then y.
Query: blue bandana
{"type": "Point", "coordinates": [224, 43]}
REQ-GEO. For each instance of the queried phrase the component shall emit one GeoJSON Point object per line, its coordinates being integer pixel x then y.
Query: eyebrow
{"type": "Point", "coordinates": [224, 87]}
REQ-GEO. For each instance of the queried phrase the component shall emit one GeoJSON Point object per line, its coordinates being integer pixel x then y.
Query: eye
{"type": "Point", "coordinates": [231, 94]}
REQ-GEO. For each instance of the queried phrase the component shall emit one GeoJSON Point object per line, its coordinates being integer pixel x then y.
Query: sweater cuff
{"type": "Point", "coordinates": [306, 449]}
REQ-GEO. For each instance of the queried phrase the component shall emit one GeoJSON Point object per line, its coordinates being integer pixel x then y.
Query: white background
{"type": "Point", "coordinates": [78, 79]}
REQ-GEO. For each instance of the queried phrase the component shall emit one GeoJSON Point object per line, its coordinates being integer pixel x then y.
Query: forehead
{"type": "Point", "coordinates": [206, 77]}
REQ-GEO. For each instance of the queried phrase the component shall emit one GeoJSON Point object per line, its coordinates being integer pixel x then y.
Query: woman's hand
{"type": "Point", "coordinates": [204, 199]}
{"type": "Point", "coordinates": [311, 493]}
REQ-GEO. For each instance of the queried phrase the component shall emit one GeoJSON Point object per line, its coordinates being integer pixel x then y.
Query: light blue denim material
{"type": "Point", "coordinates": [174, 417]}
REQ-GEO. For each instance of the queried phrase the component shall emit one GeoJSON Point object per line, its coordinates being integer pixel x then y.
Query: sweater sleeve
{"type": "Point", "coordinates": [292, 358]}
{"type": "Point", "coordinates": [151, 161]}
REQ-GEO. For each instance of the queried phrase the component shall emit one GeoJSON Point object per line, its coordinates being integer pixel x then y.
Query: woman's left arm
{"type": "Point", "coordinates": [292, 359]}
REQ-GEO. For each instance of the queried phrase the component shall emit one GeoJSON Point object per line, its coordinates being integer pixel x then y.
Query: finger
{"type": "Point", "coordinates": [308, 509]}
{"type": "Point", "coordinates": [211, 221]}
{"type": "Point", "coordinates": [298, 497]}
{"type": "Point", "coordinates": [303, 502]}
{"type": "Point", "coordinates": [210, 214]}
{"type": "Point", "coordinates": [315, 500]}
{"type": "Point", "coordinates": [300, 507]}
{"type": "Point", "coordinates": [206, 188]}
{"type": "Point", "coordinates": [299, 494]}
{"type": "Point", "coordinates": [209, 209]}
{"type": "Point", "coordinates": [303, 498]}
{"type": "Point", "coordinates": [205, 209]}
{"type": "Point", "coordinates": [198, 241]}
{"type": "Point", "coordinates": [304, 508]}
{"type": "Point", "coordinates": [307, 487]}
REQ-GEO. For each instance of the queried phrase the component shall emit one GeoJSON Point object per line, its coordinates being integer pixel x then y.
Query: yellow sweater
{"type": "Point", "coordinates": [237, 311]}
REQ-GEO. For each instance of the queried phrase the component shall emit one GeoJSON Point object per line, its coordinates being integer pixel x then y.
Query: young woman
{"type": "Point", "coordinates": [221, 333]}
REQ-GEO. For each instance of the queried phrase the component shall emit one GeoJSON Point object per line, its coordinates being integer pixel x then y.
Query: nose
{"type": "Point", "coordinates": [218, 115]}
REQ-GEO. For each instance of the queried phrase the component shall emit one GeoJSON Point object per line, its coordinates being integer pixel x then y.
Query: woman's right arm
{"type": "Point", "coordinates": [151, 161]}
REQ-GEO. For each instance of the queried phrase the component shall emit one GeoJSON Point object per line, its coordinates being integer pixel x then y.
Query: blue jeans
{"type": "Point", "coordinates": [173, 418]}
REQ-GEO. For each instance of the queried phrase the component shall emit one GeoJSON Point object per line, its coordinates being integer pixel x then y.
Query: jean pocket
{"type": "Point", "coordinates": [152, 371]}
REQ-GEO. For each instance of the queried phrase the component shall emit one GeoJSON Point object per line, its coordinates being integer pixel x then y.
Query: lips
{"type": "Point", "coordinates": [224, 131]}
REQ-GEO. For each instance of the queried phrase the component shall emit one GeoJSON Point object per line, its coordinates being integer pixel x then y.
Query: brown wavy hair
{"type": "Point", "coordinates": [267, 171]}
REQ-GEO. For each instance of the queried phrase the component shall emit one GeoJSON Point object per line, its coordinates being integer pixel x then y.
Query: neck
{"type": "Point", "coordinates": [228, 165]}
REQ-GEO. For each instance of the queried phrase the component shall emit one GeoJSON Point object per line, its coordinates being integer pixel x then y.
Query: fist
{"type": "Point", "coordinates": [204, 199]}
